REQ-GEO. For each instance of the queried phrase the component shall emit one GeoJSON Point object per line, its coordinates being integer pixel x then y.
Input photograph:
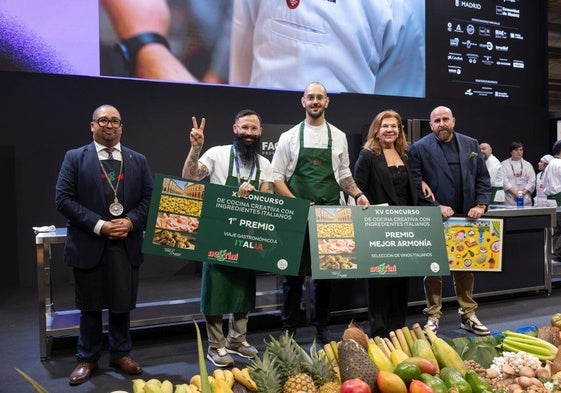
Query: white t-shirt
{"type": "Point", "coordinates": [217, 160]}
{"type": "Point", "coordinates": [286, 154]}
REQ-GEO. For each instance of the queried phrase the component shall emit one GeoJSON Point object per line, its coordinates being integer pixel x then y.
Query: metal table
{"type": "Point", "coordinates": [55, 323]}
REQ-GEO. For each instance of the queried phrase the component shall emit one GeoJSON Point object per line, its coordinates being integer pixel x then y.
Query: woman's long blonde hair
{"type": "Point", "coordinates": [372, 142]}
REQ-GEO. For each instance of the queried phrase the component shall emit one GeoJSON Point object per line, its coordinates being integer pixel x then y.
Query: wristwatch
{"type": "Point", "coordinates": [129, 48]}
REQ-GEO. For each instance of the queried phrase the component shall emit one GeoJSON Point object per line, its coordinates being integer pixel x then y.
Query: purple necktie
{"type": "Point", "coordinates": [109, 151]}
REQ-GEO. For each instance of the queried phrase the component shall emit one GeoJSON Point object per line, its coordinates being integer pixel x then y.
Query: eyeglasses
{"type": "Point", "coordinates": [104, 121]}
{"type": "Point", "coordinates": [246, 128]}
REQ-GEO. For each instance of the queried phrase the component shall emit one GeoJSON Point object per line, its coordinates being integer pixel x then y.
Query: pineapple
{"type": "Point", "coordinates": [354, 362]}
{"type": "Point", "coordinates": [300, 382]}
{"type": "Point", "coordinates": [293, 363]}
{"type": "Point", "coordinates": [322, 372]}
{"type": "Point", "coordinates": [265, 373]}
{"type": "Point", "coordinates": [330, 387]}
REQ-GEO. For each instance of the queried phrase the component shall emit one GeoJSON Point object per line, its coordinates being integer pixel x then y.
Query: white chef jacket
{"type": "Point", "coordinates": [349, 46]}
{"type": "Point", "coordinates": [495, 170]}
{"type": "Point", "coordinates": [541, 198]}
{"type": "Point", "coordinates": [552, 177]}
{"type": "Point", "coordinates": [527, 180]}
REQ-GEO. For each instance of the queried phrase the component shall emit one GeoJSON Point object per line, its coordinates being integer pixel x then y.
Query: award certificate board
{"type": "Point", "coordinates": [209, 222]}
{"type": "Point", "coordinates": [381, 241]}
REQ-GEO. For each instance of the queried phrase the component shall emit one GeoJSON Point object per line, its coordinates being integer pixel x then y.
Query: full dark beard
{"type": "Point", "coordinates": [247, 151]}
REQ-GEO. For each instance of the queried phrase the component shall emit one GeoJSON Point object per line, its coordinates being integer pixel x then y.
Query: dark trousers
{"type": "Point", "coordinates": [387, 304]}
{"type": "Point", "coordinates": [292, 297]}
{"type": "Point", "coordinates": [90, 340]}
{"type": "Point", "coordinates": [556, 239]}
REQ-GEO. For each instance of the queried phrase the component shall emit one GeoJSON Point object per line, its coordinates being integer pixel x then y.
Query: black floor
{"type": "Point", "coordinates": [169, 352]}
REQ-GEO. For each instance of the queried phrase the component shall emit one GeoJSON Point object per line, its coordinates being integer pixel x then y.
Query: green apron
{"type": "Point", "coordinates": [226, 289]}
{"type": "Point", "coordinates": [314, 179]}
{"type": "Point", "coordinates": [556, 198]}
{"type": "Point", "coordinates": [494, 191]}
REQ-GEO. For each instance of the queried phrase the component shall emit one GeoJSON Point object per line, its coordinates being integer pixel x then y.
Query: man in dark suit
{"type": "Point", "coordinates": [453, 167]}
{"type": "Point", "coordinates": [104, 191]}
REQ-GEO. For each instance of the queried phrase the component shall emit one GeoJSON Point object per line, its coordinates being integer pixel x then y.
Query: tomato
{"type": "Point", "coordinates": [355, 385]}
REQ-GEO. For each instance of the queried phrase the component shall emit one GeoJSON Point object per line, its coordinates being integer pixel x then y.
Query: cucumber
{"type": "Point", "coordinates": [477, 382]}
{"type": "Point", "coordinates": [435, 383]}
{"type": "Point", "coordinates": [454, 379]}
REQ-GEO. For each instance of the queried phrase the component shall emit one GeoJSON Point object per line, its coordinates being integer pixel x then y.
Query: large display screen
{"type": "Point", "coordinates": [479, 50]}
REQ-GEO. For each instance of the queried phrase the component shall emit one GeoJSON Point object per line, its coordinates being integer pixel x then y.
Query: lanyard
{"type": "Point", "coordinates": [236, 161]}
{"type": "Point", "coordinates": [521, 169]}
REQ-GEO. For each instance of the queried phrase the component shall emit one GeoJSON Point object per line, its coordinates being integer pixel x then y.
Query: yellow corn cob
{"type": "Point", "coordinates": [396, 354]}
{"type": "Point", "coordinates": [444, 353]}
{"type": "Point", "coordinates": [403, 341]}
{"type": "Point", "coordinates": [379, 358]}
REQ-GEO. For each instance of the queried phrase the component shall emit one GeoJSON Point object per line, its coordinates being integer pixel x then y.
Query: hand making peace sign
{"type": "Point", "coordinates": [197, 133]}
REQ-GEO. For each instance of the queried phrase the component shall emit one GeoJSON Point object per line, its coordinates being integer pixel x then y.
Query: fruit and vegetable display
{"type": "Point", "coordinates": [409, 360]}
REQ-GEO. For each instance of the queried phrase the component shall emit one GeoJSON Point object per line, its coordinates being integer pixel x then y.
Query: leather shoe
{"type": "Point", "coordinates": [127, 365]}
{"type": "Point", "coordinates": [82, 373]}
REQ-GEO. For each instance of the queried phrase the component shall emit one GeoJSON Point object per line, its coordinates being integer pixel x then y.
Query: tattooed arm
{"type": "Point", "coordinates": [192, 168]}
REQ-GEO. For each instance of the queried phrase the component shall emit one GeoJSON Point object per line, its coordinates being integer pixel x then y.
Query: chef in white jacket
{"type": "Point", "coordinates": [350, 46]}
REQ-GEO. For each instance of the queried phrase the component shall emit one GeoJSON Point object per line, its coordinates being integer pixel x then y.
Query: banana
{"type": "Point", "coordinates": [219, 374]}
{"type": "Point", "coordinates": [153, 386]}
{"type": "Point", "coordinates": [244, 378]}
{"type": "Point", "coordinates": [229, 378]}
{"type": "Point", "coordinates": [167, 386]}
{"type": "Point", "coordinates": [182, 388]}
{"type": "Point", "coordinates": [394, 340]}
{"type": "Point", "coordinates": [329, 353]}
{"type": "Point", "coordinates": [196, 380]}
{"type": "Point", "coordinates": [220, 386]}
{"type": "Point", "coordinates": [335, 348]}
{"type": "Point", "coordinates": [138, 385]}
{"type": "Point", "coordinates": [193, 388]}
